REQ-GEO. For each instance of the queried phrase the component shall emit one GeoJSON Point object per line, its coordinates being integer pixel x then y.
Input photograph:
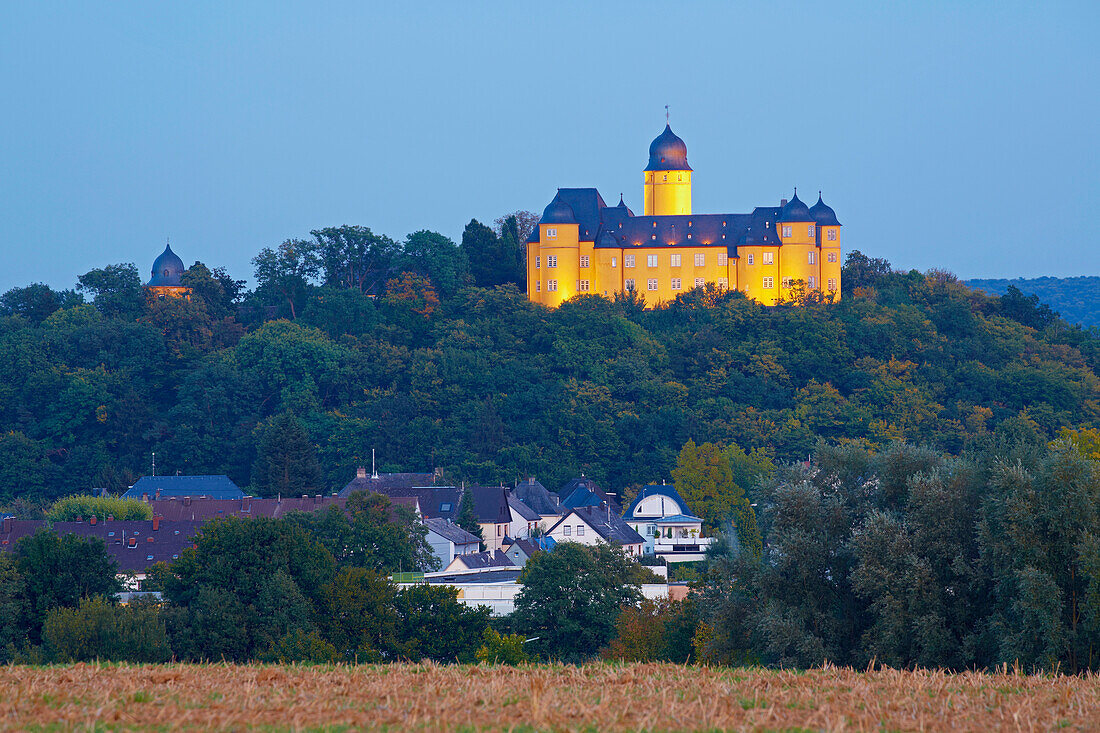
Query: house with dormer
{"type": "Point", "coordinates": [665, 521]}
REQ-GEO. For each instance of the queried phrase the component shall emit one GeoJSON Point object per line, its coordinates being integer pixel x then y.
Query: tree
{"type": "Point", "coordinates": [370, 532]}
{"type": "Point", "coordinates": [435, 625]}
{"type": "Point", "coordinates": [502, 649]}
{"type": "Point", "coordinates": [13, 614]}
{"type": "Point", "coordinates": [99, 630]}
{"type": "Point", "coordinates": [286, 273]}
{"type": "Point", "coordinates": [215, 288]}
{"type": "Point", "coordinates": [655, 631]}
{"type": "Point", "coordinates": [360, 619]}
{"type": "Point", "coordinates": [437, 258]}
{"type": "Point", "coordinates": [1026, 309]}
{"type": "Point", "coordinates": [354, 257]}
{"type": "Point", "coordinates": [467, 518]}
{"type": "Point", "coordinates": [704, 478]}
{"type": "Point", "coordinates": [571, 599]}
{"type": "Point", "coordinates": [36, 302]}
{"type": "Point", "coordinates": [58, 571]}
{"type": "Point", "coordinates": [526, 221]}
{"type": "Point", "coordinates": [483, 249]}
{"type": "Point", "coordinates": [115, 289]}
{"type": "Point", "coordinates": [25, 472]}
{"type": "Point", "coordinates": [286, 458]}
{"type": "Point", "coordinates": [861, 271]}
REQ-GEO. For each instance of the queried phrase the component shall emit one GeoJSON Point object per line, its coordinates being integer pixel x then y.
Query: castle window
{"type": "Point", "coordinates": [786, 282]}
{"type": "Point", "coordinates": [552, 285]}
{"type": "Point", "coordinates": [700, 260]}
{"type": "Point", "coordinates": [813, 282]}
{"type": "Point", "coordinates": [721, 260]}
{"type": "Point", "coordinates": [811, 231]}
{"type": "Point", "coordinates": [664, 177]}
{"type": "Point", "coordinates": [614, 261]}
{"type": "Point", "coordinates": [653, 237]}
{"type": "Point", "coordinates": [679, 176]}
{"type": "Point", "coordinates": [651, 260]}
{"type": "Point", "coordinates": [699, 282]}
{"type": "Point", "coordinates": [538, 285]}
{"type": "Point", "coordinates": [832, 284]}
{"type": "Point", "coordinates": [723, 283]}
{"type": "Point", "coordinates": [831, 257]}
{"type": "Point", "coordinates": [584, 260]}
{"type": "Point", "coordinates": [536, 260]}
{"type": "Point", "coordinates": [689, 235]}
{"type": "Point", "coordinates": [811, 258]}
{"type": "Point", "coordinates": [675, 283]}
{"type": "Point", "coordinates": [674, 260]}
{"type": "Point", "coordinates": [767, 258]}
{"type": "Point", "coordinates": [628, 284]}
{"type": "Point", "coordinates": [551, 232]}
{"type": "Point", "coordinates": [551, 260]}
{"type": "Point", "coordinates": [652, 283]}
{"type": "Point", "coordinates": [830, 234]}
{"type": "Point", "coordinates": [582, 286]}
{"type": "Point", "coordinates": [787, 231]}
{"type": "Point", "coordinates": [628, 261]}
{"type": "Point", "coordinates": [750, 259]}
{"type": "Point", "coordinates": [769, 283]}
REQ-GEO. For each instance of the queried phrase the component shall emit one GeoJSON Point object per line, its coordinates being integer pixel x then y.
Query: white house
{"type": "Point", "coordinates": [667, 525]}
{"type": "Point", "coordinates": [590, 525]}
{"type": "Point", "coordinates": [525, 520]}
{"type": "Point", "coordinates": [448, 540]}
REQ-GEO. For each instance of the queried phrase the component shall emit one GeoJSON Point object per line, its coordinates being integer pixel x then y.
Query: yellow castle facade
{"type": "Point", "coordinates": [582, 245]}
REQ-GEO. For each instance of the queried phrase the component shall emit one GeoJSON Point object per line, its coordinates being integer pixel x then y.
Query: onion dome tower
{"type": "Point", "coordinates": [823, 214]}
{"type": "Point", "coordinates": [167, 276]}
{"type": "Point", "coordinates": [668, 176]}
{"type": "Point", "coordinates": [794, 211]}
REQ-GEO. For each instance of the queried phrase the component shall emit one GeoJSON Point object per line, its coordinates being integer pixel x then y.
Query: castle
{"type": "Point", "coordinates": [582, 245]}
{"type": "Point", "coordinates": [167, 274]}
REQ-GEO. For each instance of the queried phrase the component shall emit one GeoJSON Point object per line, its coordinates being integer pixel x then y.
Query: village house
{"type": "Point", "coordinates": [449, 541]}
{"type": "Point", "coordinates": [211, 487]}
{"type": "Point", "coordinates": [490, 559]}
{"type": "Point", "coordinates": [590, 525]}
{"type": "Point", "coordinates": [666, 523]}
{"type": "Point", "coordinates": [544, 502]}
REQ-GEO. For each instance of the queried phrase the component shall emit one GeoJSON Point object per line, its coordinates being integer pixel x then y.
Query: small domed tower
{"type": "Point", "coordinates": [167, 273]}
{"type": "Point", "coordinates": [668, 176]}
{"type": "Point", "coordinates": [556, 256]}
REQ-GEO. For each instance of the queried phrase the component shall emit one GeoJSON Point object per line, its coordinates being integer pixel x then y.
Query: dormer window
{"type": "Point", "coordinates": [551, 232]}
{"type": "Point", "coordinates": [812, 230]}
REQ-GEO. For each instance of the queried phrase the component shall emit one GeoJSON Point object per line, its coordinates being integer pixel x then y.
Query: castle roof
{"type": "Point", "coordinates": [823, 214]}
{"type": "Point", "coordinates": [167, 269]}
{"type": "Point", "coordinates": [558, 212]}
{"type": "Point", "coordinates": [795, 211]}
{"type": "Point", "coordinates": [668, 152]}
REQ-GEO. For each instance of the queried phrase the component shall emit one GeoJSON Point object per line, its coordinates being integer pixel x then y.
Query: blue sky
{"type": "Point", "coordinates": [956, 135]}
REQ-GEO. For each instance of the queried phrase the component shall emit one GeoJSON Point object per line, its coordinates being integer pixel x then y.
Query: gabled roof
{"type": "Point", "coordinates": [134, 544]}
{"type": "Point", "coordinates": [500, 576]}
{"type": "Point", "coordinates": [435, 501]}
{"type": "Point", "coordinates": [450, 531]}
{"type": "Point", "coordinates": [490, 504]}
{"type": "Point", "coordinates": [656, 490]}
{"type": "Point", "coordinates": [522, 510]}
{"type": "Point", "coordinates": [13, 530]}
{"type": "Point", "coordinates": [201, 509]}
{"type": "Point", "coordinates": [532, 545]}
{"type": "Point", "coordinates": [584, 491]}
{"type": "Point", "coordinates": [608, 525]}
{"type": "Point", "coordinates": [215, 487]}
{"type": "Point", "coordinates": [537, 497]}
{"type": "Point", "coordinates": [386, 482]}
{"type": "Point", "coordinates": [478, 560]}
{"type": "Point", "coordinates": [587, 205]}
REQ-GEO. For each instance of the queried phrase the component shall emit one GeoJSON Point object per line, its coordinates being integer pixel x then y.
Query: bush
{"type": "Point", "coordinates": [499, 649]}
{"type": "Point", "coordinates": [100, 630]}
{"type": "Point", "coordinates": [73, 508]}
{"type": "Point", "coordinates": [301, 646]}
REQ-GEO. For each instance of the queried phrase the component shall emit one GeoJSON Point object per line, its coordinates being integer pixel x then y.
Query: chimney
{"type": "Point", "coordinates": [361, 472]}
{"type": "Point", "coordinates": [133, 542]}
{"type": "Point", "coordinates": [8, 522]}
{"type": "Point", "coordinates": [145, 496]}
{"type": "Point", "coordinates": [782, 203]}
{"type": "Point", "coordinates": [187, 501]}
{"type": "Point", "coordinates": [110, 517]}
{"type": "Point", "coordinates": [156, 526]}
{"type": "Point", "coordinates": [149, 538]}
{"type": "Point", "coordinates": [92, 520]}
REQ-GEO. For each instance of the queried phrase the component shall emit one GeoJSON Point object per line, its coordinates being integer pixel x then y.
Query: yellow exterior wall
{"type": "Point", "coordinates": [750, 278]}
{"type": "Point", "coordinates": [608, 264]}
{"type": "Point", "coordinates": [830, 269]}
{"type": "Point", "coordinates": [564, 245]}
{"type": "Point", "coordinates": [667, 193]}
{"type": "Point", "coordinates": [169, 291]}
{"type": "Point", "coordinates": [794, 263]}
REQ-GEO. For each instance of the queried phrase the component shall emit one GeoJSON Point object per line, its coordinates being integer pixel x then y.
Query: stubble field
{"type": "Point", "coordinates": [596, 697]}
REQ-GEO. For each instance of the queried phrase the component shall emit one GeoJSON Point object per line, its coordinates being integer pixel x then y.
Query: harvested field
{"type": "Point", "coordinates": [598, 697]}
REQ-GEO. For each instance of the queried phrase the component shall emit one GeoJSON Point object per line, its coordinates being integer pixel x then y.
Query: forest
{"type": "Point", "coordinates": [428, 352]}
{"type": "Point", "coordinates": [1074, 298]}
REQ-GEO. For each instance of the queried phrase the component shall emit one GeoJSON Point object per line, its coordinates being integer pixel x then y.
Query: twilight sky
{"type": "Point", "coordinates": [945, 134]}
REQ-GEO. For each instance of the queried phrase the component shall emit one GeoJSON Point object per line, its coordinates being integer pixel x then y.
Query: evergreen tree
{"type": "Point", "coordinates": [286, 459]}
{"type": "Point", "coordinates": [467, 519]}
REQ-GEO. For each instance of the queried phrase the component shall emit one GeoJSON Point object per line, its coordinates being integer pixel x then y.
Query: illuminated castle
{"type": "Point", "coordinates": [582, 245]}
{"type": "Point", "coordinates": [167, 277]}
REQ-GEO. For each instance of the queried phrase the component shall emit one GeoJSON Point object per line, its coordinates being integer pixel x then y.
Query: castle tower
{"type": "Point", "coordinates": [166, 281]}
{"type": "Point", "coordinates": [667, 177]}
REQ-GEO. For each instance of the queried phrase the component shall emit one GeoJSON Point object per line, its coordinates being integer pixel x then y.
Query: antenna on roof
{"type": "Point", "coordinates": [666, 114]}
{"type": "Point", "coordinates": [373, 472]}
{"type": "Point", "coordinates": [154, 463]}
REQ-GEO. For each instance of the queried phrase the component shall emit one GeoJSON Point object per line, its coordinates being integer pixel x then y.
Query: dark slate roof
{"type": "Point", "coordinates": [537, 497]}
{"type": "Point", "coordinates": [448, 530]}
{"type": "Point", "coordinates": [795, 211]}
{"type": "Point", "coordinates": [501, 575]}
{"type": "Point", "coordinates": [823, 214]}
{"type": "Point", "coordinates": [13, 530]}
{"type": "Point", "coordinates": [668, 152]}
{"type": "Point", "coordinates": [490, 504]}
{"type": "Point", "coordinates": [167, 268]}
{"type": "Point", "coordinates": [135, 545]}
{"type": "Point", "coordinates": [478, 560]}
{"type": "Point", "coordinates": [656, 490]}
{"type": "Point", "coordinates": [530, 546]}
{"type": "Point", "coordinates": [558, 212]}
{"type": "Point", "coordinates": [522, 510]}
{"type": "Point", "coordinates": [435, 501]}
{"type": "Point", "coordinates": [610, 526]}
{"type": "Point", "coordinates": [584, 491]}
{"type": "Point", "coordinates": [385, 482]}
{"type": "Point", "coordinates": [199, 509]}
{"type": "Point", "coordinates": [215, 487]}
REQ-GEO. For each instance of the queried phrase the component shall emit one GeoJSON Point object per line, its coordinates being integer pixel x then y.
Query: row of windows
{"type": "Point", "coordinates": [766, 258]}
{"type": "Point", "coordinates": [568, 531]}
{"type": "Point", "coordinates": [674, 260]}
{"type": "Point", "coordinates": [674, 284]}
{"type": "Point", "coordinates": [768, 283]}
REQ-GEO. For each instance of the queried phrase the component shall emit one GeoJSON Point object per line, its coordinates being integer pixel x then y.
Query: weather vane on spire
{"type": "Point", "coordinates": [666, 114]}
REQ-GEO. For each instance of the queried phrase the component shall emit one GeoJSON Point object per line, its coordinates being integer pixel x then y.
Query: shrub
{"type": "Point", "coordinates": [73, 508]}
{"type": "Point", "coordinates": [499, 649]}
{"type": "Point", "coordinates": [98, 629]}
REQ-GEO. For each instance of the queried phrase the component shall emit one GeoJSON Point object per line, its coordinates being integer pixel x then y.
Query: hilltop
{"type": "Point", "coordinates": [1074, 298]}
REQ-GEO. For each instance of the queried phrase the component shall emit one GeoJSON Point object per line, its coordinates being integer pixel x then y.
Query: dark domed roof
{"type": "Point", "coordinates": [794, 210]}
{"type": "Point", "coordinates": [622, 204]}
{"type": "Point", "coordinates": [167, 268]}
{"type": "Point", "coordinates": [823, 214]}
{"type": "Point", "coordinates": [668, 153]}
{"type": "Point", "coordinates": [558, 212]}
